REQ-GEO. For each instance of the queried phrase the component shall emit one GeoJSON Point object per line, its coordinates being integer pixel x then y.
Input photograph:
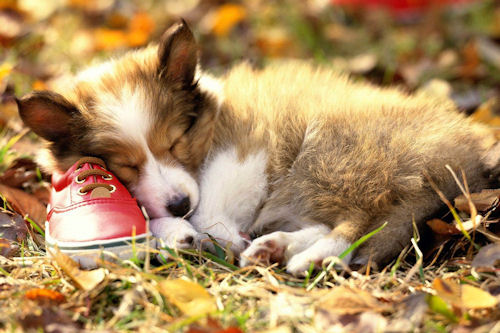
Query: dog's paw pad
{"type": "Point", "coordinates": [263, 251]}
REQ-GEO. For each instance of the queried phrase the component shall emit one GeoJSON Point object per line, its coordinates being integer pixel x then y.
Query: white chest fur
{"type": "Point", "coordinates": [231, 189]}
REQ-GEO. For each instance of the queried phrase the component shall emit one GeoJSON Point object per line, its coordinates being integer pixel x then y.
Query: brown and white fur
{"type": "Point", "coordinates": [300, 157]}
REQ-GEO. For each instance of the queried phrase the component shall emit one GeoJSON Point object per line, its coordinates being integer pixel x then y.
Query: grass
{"type": "Point", "coordinates": [252, 299]}
{"type": "Point", "coordinates": [398, 297]}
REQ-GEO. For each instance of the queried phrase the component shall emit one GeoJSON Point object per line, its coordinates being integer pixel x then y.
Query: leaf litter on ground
{"type": "Point", "coordinates": [455, 57]}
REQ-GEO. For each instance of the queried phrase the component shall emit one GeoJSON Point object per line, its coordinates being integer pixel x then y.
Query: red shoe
{"type": "Point", "coordinates": [91, 215]}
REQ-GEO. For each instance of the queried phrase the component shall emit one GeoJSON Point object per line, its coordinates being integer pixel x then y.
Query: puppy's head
{"type": "Point", "coordinates": [143, 113]}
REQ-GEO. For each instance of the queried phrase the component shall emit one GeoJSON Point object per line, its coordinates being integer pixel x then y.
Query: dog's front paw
{"type": "Point", "coordinates": [174, 232]}
{"type": "Point", "coordinates": [265, 250]}
{"type": "Point", "coordinates": [223, 230]}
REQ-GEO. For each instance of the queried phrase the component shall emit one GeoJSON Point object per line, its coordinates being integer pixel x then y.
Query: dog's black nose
{"type": "Point", "coordinates": [180, 206]}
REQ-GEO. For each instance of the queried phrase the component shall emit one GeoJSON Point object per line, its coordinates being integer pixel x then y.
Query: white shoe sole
{"type": "Point", "coordinates": [89, 254]}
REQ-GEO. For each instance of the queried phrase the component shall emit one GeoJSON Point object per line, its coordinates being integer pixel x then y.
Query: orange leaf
{"type": "Point", "coordinates": [226, 17]}
{"type": "Point", "coordinates": [141, 27]}
{"type": "Point", "coordinates": [110, 39]}
{"type": "Point", "coordinates": [45, 295]}
{"type": "Point", "coordinates": [39, 85]}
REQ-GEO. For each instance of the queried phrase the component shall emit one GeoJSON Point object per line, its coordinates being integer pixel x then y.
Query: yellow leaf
{"type": "Point", "coordinates": [5, 70]}
{"type": "Point", "coordinates": [86, 280]}
{"type": "Point", "coordinates": [226, 17]}
{"type": "Point", "coordinates": [475, 298]}
{"type": "Point", "coordinates": [191, 298]}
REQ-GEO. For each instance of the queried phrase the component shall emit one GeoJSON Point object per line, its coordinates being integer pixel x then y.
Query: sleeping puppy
{"type": "Point", "coordinates": [300, 157]}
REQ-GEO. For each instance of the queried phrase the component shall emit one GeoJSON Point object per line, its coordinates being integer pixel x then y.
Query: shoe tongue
{"type": "Point", "coordinates": [100, 192]}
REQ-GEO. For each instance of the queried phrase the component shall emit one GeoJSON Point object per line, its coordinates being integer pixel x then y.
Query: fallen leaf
{"type": "Point", "coordinates": [475, 298]}
{"type": "Point", "coordinates": [483, 201]}
{"type": "Point", "coordinates": [470, 66]}
{"type": "Point", "coordinates": [20, 171]}
{"type": "Point", "coordinates": [226, 17]}
{"type": "Point", "coordinates": [110, 39]}
{"type": "Point", "coordinates": [42, 295]}
{"type": "Point", "coordinates": [442, 228]}
{"type": "Point", "coordinates": [5, 70]}
{"type": "Point", "coordinates": [25, 204]}
{"type": "Point", "coordinates": [212, 326]}
{"type": "Point", "coordinates": [487, 257]}
{"type": "Point", "coordinates": [140, 29]}
{"type": "Point", "coordinates": [463, 295]}
{"type": "Point", "coordinates": [191, 298]}
{"type": "Point", "coordinates": [13, 230]}
{"type": "Point", "coordinates": [274, 42]}
{"type": "Point", "coordinates": [86, 280]}
{"type": "Point", "coordinates": [344, 300]}
{"type": "Point", "coordinates": [50, 319]}
{"type": "Point", "coordinates": [484, 113]}
{"type": "Point", "coordinates": [448, 290]}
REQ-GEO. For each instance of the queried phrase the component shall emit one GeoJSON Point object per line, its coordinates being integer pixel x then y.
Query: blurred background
{"type": "Point", "coordinates": [448, 47]}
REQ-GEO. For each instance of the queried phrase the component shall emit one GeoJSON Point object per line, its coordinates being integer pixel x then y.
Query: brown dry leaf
{"type": "Point", "coordinates": [212, 326]}
{"type": "Point", "coordinates": [471, 58]}
{"type": "Point", "coordinates": [274, 42]}
{"type": "Point", "coordinates": [25, 204]}
{"type": "Point", "coordinates": [21, 171]}
{"type": "Point", "coordinates": [442, 228]}
{"type": "Point", "coordinates": [483, 201]}
{"type": "Point", "coordinates": [12, 230]}
{"type": "Point", "coordinates": [191, 298]}
{"type": "Point", "coordinates": [487, 257]}
{"type": "Point", "coordinates": [86, 280]}
{"type": "Point", "coordinates": [226, 17]}
{"type": "Point", "coordinates": [49, 319]}
{"type": "Point", "coordinates": [475, 298]}
{"type": "Point", "coordinates": [347, 301]}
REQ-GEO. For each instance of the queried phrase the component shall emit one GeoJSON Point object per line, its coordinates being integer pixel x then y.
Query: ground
{"type": "Point", "coordinates": [449, 282]}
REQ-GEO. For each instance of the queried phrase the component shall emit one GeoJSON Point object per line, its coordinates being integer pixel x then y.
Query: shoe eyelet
{"type": "Point", "coordinates": [113, 188]}
{"type": "Point", "coordinates": [80, 181]}
{"type": "Point", "coordinates": [108, 177]}
{"type": "Point", "coordinates": [79, 192]}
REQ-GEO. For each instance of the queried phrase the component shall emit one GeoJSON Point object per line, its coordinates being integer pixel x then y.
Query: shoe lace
{"type": "Point", "coordinates": [83, 175]}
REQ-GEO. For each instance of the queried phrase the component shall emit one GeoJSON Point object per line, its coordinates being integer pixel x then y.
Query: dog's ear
{"type": "Point", "coordinates": [48, 114]}
{"type": "Point", "coordinates": [178, 54]}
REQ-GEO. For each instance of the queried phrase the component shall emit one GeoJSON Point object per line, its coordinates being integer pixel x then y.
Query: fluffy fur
{"type": "Point", "coordinates": [300, 157]}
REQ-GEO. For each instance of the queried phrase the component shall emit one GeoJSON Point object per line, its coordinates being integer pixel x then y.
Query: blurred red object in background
{"type": "Point", "coordinates": [398, 7]}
